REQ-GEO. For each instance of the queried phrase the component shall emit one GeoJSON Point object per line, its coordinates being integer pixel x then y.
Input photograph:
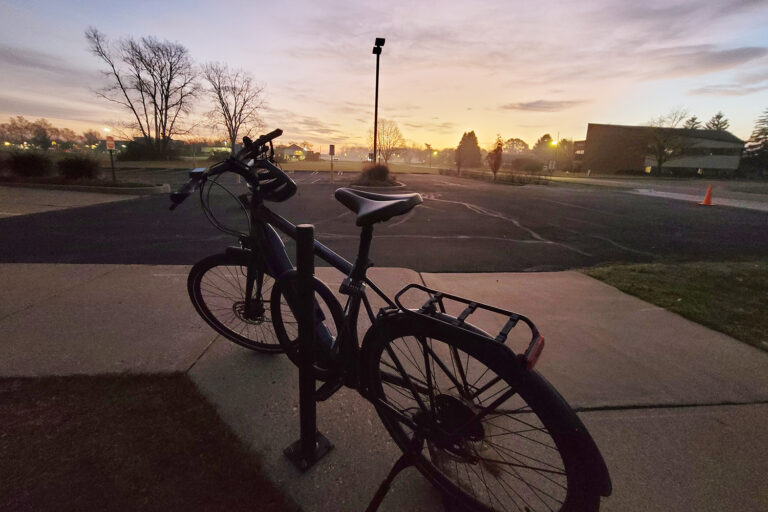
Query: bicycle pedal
{"type": "Point", "coordinates": [325, 391]}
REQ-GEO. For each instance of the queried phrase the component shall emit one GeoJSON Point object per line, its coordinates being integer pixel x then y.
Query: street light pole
{"type": "Point", "coordinates": [377, 52]}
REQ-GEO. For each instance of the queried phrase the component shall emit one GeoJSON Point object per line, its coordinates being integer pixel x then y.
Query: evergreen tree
{"type": "Point", "coordinates": [494, 156]}
{"type": "Point", "coordinates": [692, 123]}
{"type": "Point", "coordinates": [544, 148]}
{"type": "Point", "coordinates": [756, 151]}
{"type": "Point", "coordinates": [468, 151]}
{"type": "Point", "coordinates": [718, 122]}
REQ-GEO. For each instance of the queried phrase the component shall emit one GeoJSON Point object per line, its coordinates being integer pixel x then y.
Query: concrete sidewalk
{"type": "Point", "coordinates": [24, 201]}
{"type": "Point", "coordinates": [724, 193]}
{"type": "Point", "coordinates": [677, 410]}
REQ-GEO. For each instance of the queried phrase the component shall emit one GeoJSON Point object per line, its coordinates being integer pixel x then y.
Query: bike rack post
{"type": "Point", "coordinates": [312, 445]}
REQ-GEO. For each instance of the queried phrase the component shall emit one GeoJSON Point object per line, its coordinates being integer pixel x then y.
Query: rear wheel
{"type": "Point", "coordinates": [217, 287]}
{"type": "Point", "coordinates": [494, 438]}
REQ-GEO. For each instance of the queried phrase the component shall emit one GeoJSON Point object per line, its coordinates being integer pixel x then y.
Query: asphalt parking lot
{"type": "Point", "coordinates": [677, 432]}
{"type": "Point", "coordinates": [463, 226]}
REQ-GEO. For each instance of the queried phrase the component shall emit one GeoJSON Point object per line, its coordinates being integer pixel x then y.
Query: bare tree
{"type": "Point", "coordinates": [43, 133]}
{"type": "Point", "coordinates": [237, 100]}
{"type": "Point", "coordinates": [390, 139]}
{"type": "Point", "coordinates": [669, 120]}
{"type": "Point", "coordinates": [663, 142]}
{"type": "Point", "coordinates": [516, 146]}
{"type": "Point", "coordinates": [91, 137]}
{"type": "Point", "coordinates": [154, 80]}
{"type": "Point", "coordinates": [17, 130]}
{"type": "Point", "coordinates": [66, 138]}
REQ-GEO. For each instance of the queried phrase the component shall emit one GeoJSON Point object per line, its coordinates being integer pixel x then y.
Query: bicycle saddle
{"type": "Point", "coordinates": [371, 208]}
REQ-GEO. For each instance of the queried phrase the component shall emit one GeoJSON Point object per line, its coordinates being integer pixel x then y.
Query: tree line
{"type": "Point", "coordinates": [665, 142]}
{"type": "Point", "coordinates": [546, 152]}
{"type": "Point", "coordinates": [41, 134]}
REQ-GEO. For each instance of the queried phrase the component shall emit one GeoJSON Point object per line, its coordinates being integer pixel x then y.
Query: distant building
{"type": "Point", "coordinates": [578, 154]}
{"type": "Point", "coordinates": [290, 153]}
{"type": "Point", "coordinates": [612, 149]}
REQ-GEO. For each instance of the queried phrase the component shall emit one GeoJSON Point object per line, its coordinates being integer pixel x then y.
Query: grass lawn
{"type": "Point", "coordinates": [729, 297]}
{"type": "Point", "coordinates": [122, 443]}
{"type": "Point", "coordinates": [751, 188]}
{"type": "Point", "coordinates": [322, 165]}
{"type": "Point", "coordinates": [59, 180]}
{"type": "Point", "coordinates": [160, 164]}
{"type": "Point", "coordinates": [325, 165]}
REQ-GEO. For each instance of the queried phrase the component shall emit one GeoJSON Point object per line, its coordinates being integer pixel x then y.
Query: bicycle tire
{"type": "Point", "coordinates": [216, 286]}
{"type": "Point", "coordinates": [329, 318]}
{"type": "Point", "coordinates": [522, 456]}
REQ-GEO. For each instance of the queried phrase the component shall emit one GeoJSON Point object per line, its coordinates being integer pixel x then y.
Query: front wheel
{"type": "Point", "coordinates": [489, 435]}
{"type": "Point", "coordinates": [217, 286]}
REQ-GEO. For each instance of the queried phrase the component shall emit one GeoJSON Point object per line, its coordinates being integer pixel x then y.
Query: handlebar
{"type": "Point", "coordinates": [268, 137]}
{"type": "Point", "coordinates": [195, 178]}
{"type": "Point", "coordinates": [255, 147]}
{"type": "Point", "coordinates": [260, 174]}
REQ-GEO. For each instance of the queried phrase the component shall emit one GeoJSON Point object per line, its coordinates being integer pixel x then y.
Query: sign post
{"type": "Point", "coordinates": [332, 151]}
{"type": "Point", "coordinates": [111, 148]}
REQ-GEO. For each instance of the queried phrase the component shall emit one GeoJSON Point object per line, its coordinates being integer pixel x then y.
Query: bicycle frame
{"type": "Point", "coordinates": [267, 252]}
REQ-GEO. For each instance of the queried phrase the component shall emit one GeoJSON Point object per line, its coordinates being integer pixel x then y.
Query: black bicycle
{"type": "Point", "coordinates": [483, 426]}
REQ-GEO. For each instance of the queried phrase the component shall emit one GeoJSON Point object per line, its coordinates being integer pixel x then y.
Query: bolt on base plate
{"type": "Point", "coordinates": [295, 453]}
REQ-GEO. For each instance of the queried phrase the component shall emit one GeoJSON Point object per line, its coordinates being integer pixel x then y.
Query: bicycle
{"type": "Point", "coordinates": [476, 418]}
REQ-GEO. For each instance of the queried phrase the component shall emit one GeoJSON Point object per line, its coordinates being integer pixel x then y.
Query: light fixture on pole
{"type": "Point", "coordinates": [377, 52]}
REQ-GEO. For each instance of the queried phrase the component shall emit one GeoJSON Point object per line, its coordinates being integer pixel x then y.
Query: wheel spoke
{"type": "Point", "coordinates": [482, 434]}
{"type": "Point", "coordinates": [219, 291]}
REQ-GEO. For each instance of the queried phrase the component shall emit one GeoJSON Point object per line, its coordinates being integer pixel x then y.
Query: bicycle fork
{"type": "Point", "coordinates": [254, 304]}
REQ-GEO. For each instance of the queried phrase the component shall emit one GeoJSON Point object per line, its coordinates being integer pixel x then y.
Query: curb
{"type": "Point", "coordinates": [164, 188]}
{"type": "Point", "coordinates": [501, 178]}
{"type": "Point", "coordinates": [366, 187]}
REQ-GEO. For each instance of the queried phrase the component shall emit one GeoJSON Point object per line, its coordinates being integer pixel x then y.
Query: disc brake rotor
{"type": "Point", "coordinates": [254, 316]}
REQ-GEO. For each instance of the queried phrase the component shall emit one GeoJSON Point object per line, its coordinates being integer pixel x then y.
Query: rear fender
{"type": "Point", "coordinates": [586, 454]}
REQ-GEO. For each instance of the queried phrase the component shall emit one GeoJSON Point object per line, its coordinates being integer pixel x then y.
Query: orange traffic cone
{"type": "Point", "coordinates": [707, 197]}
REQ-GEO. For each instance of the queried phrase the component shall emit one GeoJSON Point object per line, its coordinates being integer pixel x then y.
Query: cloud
{"type": "Point", "coordinates": [648, 21]}
{"type": "Point", "coordinates": [433, 127]}
{"type": "Point", "coordinates": [727, 90]}
{"type": "Point", "coordinates": [27, 63]}
{"type": "Point", "coordinates": [700, 59]}
{"type": "Point", "coordinates": [39, 105]}
{"type": "Point", "coordinates": [543, 105]}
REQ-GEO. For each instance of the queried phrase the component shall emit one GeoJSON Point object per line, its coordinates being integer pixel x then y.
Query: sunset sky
{"type": "Point", "coordinates": [520, 69]}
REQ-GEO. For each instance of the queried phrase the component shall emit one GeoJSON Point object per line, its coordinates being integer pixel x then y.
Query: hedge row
{"type": "Point", "coordinates": [30, 164]}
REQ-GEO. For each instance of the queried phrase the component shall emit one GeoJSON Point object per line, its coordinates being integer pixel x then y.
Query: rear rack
{"type": "Point", "coordinates": [434, 309]}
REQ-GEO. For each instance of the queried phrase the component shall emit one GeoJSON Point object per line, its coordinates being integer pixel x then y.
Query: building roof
{"type": "Point", "coordinates": [718, 135]}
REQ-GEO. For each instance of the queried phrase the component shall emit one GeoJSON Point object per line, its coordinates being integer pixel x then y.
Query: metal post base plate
{"type": "Point", "coordinates": [296, 455]}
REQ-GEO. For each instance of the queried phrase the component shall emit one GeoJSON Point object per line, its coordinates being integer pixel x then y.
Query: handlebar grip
{"type": "Point", "coordinates": [184, 192]}
{"type": "Point", "coordinates": [268, 137]}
